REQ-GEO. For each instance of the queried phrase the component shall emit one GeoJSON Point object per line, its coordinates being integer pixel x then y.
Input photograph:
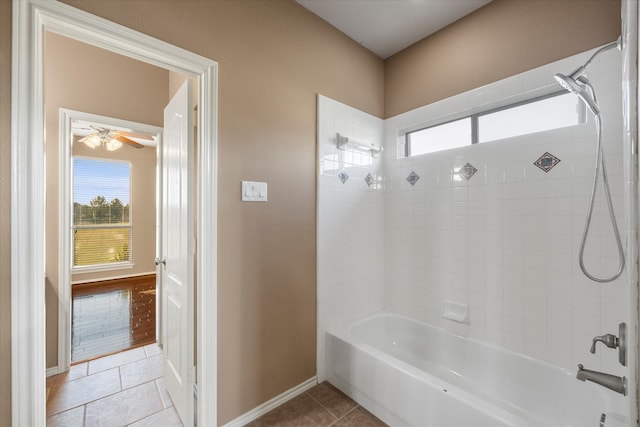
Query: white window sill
{"type": "Point", "coordinates": [102, 267]}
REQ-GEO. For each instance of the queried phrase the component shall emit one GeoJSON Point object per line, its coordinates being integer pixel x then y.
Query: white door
{"type": "Point", "coordinates": [177, 253]}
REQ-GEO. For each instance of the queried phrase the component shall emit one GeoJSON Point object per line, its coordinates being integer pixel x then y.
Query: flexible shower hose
{"type": "Point", "coordinates": [600, 165]}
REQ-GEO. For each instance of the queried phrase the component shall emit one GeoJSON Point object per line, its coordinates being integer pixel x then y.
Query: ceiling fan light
{"type": "Point", "coordinates": [91, 141]}
{"type": "Point", "coordinates": [113, 144]}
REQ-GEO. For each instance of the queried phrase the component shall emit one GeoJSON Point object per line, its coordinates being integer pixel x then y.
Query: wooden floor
{"type": "Point", "coordinates": [111, 316]}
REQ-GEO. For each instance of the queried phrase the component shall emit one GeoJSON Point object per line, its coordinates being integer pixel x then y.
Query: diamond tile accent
{"type": "Point", "coordinates": [547, 161]}
{"type": "Point", "coordinates": [343, 176]}
{"type": "Point", "coordinates": [369, 180]}
{"type": "Point", "coordinates": [413, 178]}
{"type": "Point", "coordinates": [467, 171]}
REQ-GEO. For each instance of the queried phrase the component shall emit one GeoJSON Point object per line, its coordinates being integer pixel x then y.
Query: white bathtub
{"type": "Point", "coordinates": [412, 374]}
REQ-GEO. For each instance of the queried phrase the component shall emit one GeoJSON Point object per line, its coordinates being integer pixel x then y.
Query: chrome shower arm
{"type": "Point", "coordinates": [580, 70]}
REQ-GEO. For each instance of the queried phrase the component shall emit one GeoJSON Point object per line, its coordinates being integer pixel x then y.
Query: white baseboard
{"type": "Point", "coordinates": [53, 371]}
{"type": "Point", "coordinates": [273, 403]}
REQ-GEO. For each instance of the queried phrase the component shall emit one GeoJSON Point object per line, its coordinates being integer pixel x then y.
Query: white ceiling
{"type": "Point", "coordinates": [388, 26]}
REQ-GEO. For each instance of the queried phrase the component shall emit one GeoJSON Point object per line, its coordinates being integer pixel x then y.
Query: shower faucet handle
{"type": "Point", "coordinates": [611, 341]}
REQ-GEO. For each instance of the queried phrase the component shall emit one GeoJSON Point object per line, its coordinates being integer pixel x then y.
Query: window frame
{"type": "Point", "coordinates": [582, 118]}
{"type": "Point", "coordinates": [117, 265]}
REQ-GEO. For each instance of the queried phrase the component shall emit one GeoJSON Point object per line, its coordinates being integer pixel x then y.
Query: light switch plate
{"type": "Point", "coordinates": [254, 191]}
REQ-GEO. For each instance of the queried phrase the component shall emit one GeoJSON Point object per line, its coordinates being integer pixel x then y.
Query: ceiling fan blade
{"type": "Point", "coordinates": [135, 135]}
{"type": "Point", "coordinates": [129, 141]}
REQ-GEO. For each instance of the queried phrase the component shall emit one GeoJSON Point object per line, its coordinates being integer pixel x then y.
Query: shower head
{"type": "Point", "coordinates": [577, 84]}
{"type": "Point", "coordinates": [579, 87]}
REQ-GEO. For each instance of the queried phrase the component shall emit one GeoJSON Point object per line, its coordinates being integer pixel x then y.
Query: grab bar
{"type": "Point", "coordinates": [342, 141]}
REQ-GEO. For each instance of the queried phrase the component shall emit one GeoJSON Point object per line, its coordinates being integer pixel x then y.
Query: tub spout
{"type": "Point", "coordinates": [612, 382]}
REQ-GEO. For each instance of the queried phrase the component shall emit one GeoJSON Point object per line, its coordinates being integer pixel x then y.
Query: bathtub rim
{"type": "Point", "coordinates": [613, 404]}
{"type": "Point", "coordinates": [345, 332]}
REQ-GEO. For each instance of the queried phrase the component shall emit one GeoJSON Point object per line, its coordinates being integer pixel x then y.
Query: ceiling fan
{"type": "Point", "coordinates": [112, 139]}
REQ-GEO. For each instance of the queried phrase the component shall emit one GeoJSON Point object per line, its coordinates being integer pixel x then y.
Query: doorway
{"type": "Point", "coordinates": [108, 222]}
{"type": "Point", "coordinates": [31, 19]}
{"type": "Point", "coordinates": [108, 201]}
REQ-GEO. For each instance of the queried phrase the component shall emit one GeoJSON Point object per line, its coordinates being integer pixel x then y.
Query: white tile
{"type": "Point", "coordinates": [560, 356]}
{"type": "Point", "coordinates": [141, 371]}
{"type": "Point", "coordinates": [109, 362]}
{"type": "Point", "coordinates": [152, 350]}
{"type": "Point", "coordinates": [535, 312]}
{"type": "Point", "coordinates": [73, 417]}
{"type": "Point", "coordinates": [506, 241]}
{"type": "Point", "coordinates": [83, 390]}
{"type": "Point", "coordinates": [166, 418]}
{"type": "Point", "coordinates": [124, 407]}
{"type": "Point", "coordinates": [514, 341]}
{"type": "Point", "coordinates": [536, 349]}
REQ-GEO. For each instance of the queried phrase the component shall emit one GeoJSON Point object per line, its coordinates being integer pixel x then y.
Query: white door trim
{"type": "Point", "coordinates": [64, 236]}
{"type": "Point", "coordinates": [30, 19]}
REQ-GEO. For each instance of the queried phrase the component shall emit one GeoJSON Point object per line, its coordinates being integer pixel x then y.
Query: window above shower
{"type": "Point", "coordinates": [539, 114]}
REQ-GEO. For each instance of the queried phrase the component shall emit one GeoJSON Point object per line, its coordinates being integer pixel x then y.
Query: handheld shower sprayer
{"type": "Point", "coordinates": [580, 86]}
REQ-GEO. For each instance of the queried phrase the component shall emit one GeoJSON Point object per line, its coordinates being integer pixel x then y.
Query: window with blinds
{"type": "Point", "coordinates": [101, 213]}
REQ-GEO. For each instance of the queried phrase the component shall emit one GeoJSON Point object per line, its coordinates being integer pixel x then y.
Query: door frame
{"type": "Point", "coordinates": [65, 139]}
{"type": "Point", "coordinates": [31, 18]}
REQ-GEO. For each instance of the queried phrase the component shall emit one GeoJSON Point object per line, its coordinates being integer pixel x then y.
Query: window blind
{"type": "Point", "coordinates": [101, 212]}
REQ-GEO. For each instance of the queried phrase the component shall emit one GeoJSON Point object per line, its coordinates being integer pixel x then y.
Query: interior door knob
{"type": "Point", "coordinates": [162, 261]}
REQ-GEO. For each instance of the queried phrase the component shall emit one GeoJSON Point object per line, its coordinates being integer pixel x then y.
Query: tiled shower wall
{"type": "Point", "coordinates": [350, 220]}
{"type": "Point", "coordinates": [505, 242]}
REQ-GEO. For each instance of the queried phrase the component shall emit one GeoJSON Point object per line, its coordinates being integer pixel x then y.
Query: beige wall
{"type": "Point", "coordinates": [5, 209]}
{"type": "Point", "coordinates": [84, 78]}
{"type": "Point", "coordinates": [274, 57]}
{"type": "Point", "coordinates": [503, 38]}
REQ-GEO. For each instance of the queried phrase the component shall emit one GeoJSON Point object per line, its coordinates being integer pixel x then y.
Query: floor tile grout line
{"type": "Point", "coordinates": [121, 389]}
{"type": "Point", "coordinates": [98, 372]}
{"type": "Point", "coordinates": [160, 395]}
{"type": "Point", "coordinates": [322, 406]}
{"type": "Point", "coordinates": [114, 367]}
{"type": "Point", "coordinates": [104, 397]}
{"type": "Point", "coordinates": [347, 413]}
{"type": "Point", "coordinates": [154, 413]}
{"type": "Point", "coordinates": [120, 376]}
{"type": "Point", "coordinates": [110, 395]}
{"type": "Point", "coordinates": [329, 410]}
{"type": "Point", "coordinates": [82, 404]}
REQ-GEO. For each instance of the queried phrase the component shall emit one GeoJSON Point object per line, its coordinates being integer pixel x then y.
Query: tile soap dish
{"type": "Point", "coordinates": [456, 312]}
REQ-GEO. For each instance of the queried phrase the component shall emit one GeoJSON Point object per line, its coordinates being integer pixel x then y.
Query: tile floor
{"type": "Point", "coordinates": [320, 406]}
{"type": "Point", "coordinates": [124, 389]}
{"type": "Point", "coordinates": [127, 389]}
